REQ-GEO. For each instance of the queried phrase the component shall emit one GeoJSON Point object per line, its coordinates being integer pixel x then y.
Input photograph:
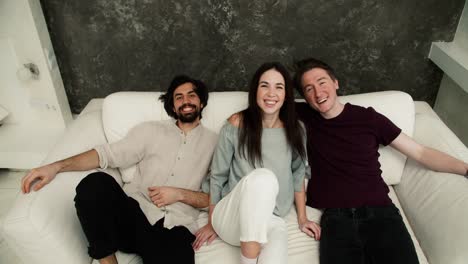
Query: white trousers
{"type": "Point", "coordinates": [246, 214]}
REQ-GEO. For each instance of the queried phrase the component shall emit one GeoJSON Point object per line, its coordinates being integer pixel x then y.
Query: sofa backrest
{"type": "Point", "coordinates": [123, 110]}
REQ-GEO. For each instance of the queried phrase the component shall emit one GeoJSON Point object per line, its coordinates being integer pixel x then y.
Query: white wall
{"type": "Point", "coordinates": [12, 93]}
{"type": "Point", "coordinates": [24, 38]}
{"type": "Point", "coordinates": [39, 110]}
{"type": "Point", "coordinates": [452, 100]}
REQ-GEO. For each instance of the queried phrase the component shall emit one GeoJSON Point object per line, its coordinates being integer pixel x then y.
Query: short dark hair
{"type": "Point", "coordinates": [306, 65]}
{"type": "Point", "coordinates": [168, 98]}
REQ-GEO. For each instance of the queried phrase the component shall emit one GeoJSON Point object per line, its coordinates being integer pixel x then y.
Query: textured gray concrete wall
{"type": "Point", "coordinates": [105, 46]}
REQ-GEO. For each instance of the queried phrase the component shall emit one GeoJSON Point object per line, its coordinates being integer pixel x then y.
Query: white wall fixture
{"type": "Point", "coordinates": [452, 58]}
{"type": "Point", "coordinates": [29, 71]}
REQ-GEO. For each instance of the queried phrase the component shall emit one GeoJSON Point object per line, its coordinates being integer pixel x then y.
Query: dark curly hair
{"type": "Point", "coordinates": [168, 97]}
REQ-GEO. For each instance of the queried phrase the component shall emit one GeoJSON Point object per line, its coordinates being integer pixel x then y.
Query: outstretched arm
{"type": "Point", "coordinates": [431, 158]}
{"type": "Point", "coordinates": [305, 225]}
{"type": "Point", "coordinates": [166, 195]}
{"type": "Point", "coordinates": [85, 161]}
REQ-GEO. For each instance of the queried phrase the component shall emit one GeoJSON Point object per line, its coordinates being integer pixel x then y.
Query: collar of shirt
{"type": "Point", "coordinates": [195, 131]}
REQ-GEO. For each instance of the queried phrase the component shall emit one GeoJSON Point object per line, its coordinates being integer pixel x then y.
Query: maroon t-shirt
{"type": "Point", "coordinates": [343, 157]}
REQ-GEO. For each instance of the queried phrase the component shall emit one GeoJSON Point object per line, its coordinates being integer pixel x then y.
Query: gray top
{"type": "Point", "coordinates": [228, 166]}
{"type": "Point", "coordinates": [164, 156]}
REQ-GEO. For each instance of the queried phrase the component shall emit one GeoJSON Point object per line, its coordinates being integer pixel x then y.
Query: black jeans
{"type": "Point", "coordinates": [365, 235]}
{"type": "Point", "coordinates": [113, 221]}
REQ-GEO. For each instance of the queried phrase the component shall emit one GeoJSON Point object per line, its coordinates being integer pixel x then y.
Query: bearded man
{"type": "Point", "coordinates": [155, 213]}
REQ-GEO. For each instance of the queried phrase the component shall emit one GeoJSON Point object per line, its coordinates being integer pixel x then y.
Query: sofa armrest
{"type": "Point", "coordinates": [42, 227]}
{"type": "Point", "coordinates": [436, 203]}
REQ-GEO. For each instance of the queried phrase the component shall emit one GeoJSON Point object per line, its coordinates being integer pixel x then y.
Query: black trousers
{"type": "Point", "coordinates": [113, 221]}
{"type": "Point", "coordinates": [365, 235]}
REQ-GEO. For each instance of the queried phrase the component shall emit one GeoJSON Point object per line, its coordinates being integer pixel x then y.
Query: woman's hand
{"type": "Point", "coordinates": [205, 234]}
{"type": "Point", "coordinates": [311, 228]}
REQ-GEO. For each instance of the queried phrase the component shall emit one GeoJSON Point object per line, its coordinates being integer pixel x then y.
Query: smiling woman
{"type": "Point", "coordinates": [251, 192]}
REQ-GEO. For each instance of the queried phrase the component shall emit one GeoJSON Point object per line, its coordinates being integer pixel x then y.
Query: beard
{"type": "Point", "coordinates": [188, 117]}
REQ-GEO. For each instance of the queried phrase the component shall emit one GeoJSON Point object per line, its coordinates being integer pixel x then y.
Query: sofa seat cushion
{"type": "Point", "coordinates": [421, 255]}
{"type": "Point", "coordinates": [301, 248]}
{"type": "Point", "coordinates": [435, 202]}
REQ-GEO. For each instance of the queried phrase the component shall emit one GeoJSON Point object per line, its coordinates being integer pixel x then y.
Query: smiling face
{"type": "Point", "coordinates": [187, 104]}
{"type": "Point", "coordinates": [320, 92]}
{"type": "Point", "coordinates": [271, 92]}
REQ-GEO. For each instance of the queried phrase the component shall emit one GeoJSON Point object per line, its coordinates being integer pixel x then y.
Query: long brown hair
{"type": "Point", "coordinates": [250, 126]}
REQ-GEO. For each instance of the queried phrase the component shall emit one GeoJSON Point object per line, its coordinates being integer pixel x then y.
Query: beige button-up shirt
{"type": "Point", "coordinates": [164, 156]}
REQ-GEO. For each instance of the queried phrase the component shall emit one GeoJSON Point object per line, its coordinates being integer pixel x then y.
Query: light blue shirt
{"type": "Point", "coordinates": [228, 166]}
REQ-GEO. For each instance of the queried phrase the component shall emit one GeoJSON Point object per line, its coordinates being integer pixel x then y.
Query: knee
{"type": "Point", "coordinates": [263, 180]}
{"type": "Point", "coordinates": [278, 228]}
{"type": "Point", "coordinates": [94, 184]}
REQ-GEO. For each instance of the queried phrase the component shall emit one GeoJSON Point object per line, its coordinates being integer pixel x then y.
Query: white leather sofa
{"type": "Point", "coordinates": [43, 228]}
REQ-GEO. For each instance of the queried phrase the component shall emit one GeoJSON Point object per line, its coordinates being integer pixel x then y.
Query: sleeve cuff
{"type": "Point", "coordinates": [214, 198]}
{"type": "Point", "coordinates": [298, 186]}
{"type": "Point", "coordinates": [205, 186]}
{"type": "Point", "coordinates": [299, 181]}
{"type": "Point", "coordinates": [103, 164]}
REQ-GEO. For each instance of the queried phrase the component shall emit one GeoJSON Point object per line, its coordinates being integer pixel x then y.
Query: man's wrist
{"type": "Point", "coordinates": [58, 166]}
{"type": "Point", "coordinates": [181, 196]}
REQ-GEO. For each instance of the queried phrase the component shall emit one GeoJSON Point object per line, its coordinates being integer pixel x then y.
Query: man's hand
{"type": "Point", "coordinates": [311, 228]}
{"type": "Point", "coordinates": [43, 175]}
{"type": "Point", "coordinates": [164, 195]}
{"type": "Point", "coordinates": [204, 234]}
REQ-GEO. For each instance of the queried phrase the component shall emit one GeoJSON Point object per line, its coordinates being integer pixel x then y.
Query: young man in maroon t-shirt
{"type": "Point", "coordinates": [359, 224]}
